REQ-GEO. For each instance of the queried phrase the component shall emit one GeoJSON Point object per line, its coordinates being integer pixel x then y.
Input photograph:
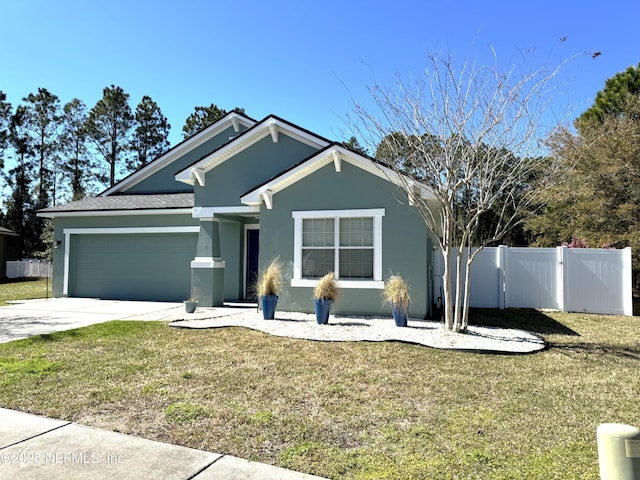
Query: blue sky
{"type": "Point", "coordinates": [302, 60]}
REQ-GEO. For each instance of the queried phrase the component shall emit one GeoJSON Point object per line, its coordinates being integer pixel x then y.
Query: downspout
{"type": "Point", "coordinates": [429, 285]}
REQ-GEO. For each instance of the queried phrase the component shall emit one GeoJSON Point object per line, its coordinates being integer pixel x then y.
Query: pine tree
{"type": "Point", "coordinates": [20, 206]}
{"type": "Point", "coordinates": [202, 117]}
{"type": "Point", "coordinates": [109, 128]}
{"type": "Point", "coordinates": [43, 121]}
{"type": "Point", "coordinates": [150, 134]}
{"type": "Point", "coordinates": [5, 118]}
{"type": "Point", "coordinates": [613, 98]}
{"type": "Point", "coordinates": [77, 167]}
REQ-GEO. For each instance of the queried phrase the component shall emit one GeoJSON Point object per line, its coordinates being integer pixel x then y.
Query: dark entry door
{"type": "Point", "coordinates": [253, 248]}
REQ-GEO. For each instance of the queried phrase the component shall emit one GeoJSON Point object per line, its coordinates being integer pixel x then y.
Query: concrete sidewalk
{"type": "Point", "coordinates": [34, 448]}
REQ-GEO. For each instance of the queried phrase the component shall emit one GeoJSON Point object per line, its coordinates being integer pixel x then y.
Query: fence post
{"type": "Point", "coordinates": [502, 276]}
{"type": "Point", "coordinates": [562, 288]}
{"type": "Point", "coordinates": [627, 281]}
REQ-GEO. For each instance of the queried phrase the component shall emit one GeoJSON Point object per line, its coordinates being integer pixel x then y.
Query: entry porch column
{"type": "Point", "coordinates": [207, 268]}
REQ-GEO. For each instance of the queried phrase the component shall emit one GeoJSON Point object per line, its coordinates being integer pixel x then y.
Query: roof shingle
{"type": "Point", "coordinates": [125, 202]}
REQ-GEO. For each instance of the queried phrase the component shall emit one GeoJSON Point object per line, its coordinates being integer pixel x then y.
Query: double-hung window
{"type": "Point", "coordinates": [347, 242]}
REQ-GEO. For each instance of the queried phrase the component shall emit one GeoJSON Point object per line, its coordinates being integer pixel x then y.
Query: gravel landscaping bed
{"type": "Point", "coordinates": [374, 329]}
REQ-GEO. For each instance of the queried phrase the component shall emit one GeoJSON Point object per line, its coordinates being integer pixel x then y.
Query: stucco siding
{"type": "Point", "coordinates": [231, 245]}
{"type": "Point", "coordinates": [251, 167]}
{"type": "Point", "coordinates": [164, 179]}
{"type": "Point", "coordinates": [406, 245]}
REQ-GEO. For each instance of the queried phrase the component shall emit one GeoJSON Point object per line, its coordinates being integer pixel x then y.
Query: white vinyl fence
{"type": "Point", "coordinates": [587, 280]}
{"type": "Point", "coordinates": [28, 268]}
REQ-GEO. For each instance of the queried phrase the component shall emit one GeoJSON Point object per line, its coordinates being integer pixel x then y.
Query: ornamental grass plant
{"type": "Point", "coordinates": [396, 292]}
{"type": "Point", "coordinates": [327, 288]}
{"type": "Point", "coordinates": [270, 281]}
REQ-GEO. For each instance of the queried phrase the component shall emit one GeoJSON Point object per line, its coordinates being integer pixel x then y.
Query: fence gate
{"type": "Point", "coordinates": [531, 278]}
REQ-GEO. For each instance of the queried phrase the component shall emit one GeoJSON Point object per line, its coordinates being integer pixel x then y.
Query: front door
{"type": "Point", "coordinates": [252, 242]}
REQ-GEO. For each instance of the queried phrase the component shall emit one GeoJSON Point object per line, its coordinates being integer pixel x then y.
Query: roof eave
{"type": "Point", "coordinates": [270, 126]}
{"type": "Point", "coordinates": [116, 213]}
{"type": "Point", "coordinates": [335, 154]}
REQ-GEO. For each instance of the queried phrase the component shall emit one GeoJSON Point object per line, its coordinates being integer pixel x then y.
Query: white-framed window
{"type": "Point", "coordinates": [347, 242]}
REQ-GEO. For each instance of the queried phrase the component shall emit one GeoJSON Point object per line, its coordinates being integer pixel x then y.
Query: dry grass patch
{"type": "Point", "coordinates": [347, 410]}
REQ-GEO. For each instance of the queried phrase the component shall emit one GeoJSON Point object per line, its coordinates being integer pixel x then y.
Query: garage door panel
{"type": "Point", "coordinates": [141, 267]}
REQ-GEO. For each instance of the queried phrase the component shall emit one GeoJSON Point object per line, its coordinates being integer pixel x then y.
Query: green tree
{"type": "Point", "coordinates": [43, 121]}
{"type": "Point", "coordinates": [354, 145]}
{"type": "Point", "coordinates": [20, 206]}
{"type": "Point", "coordinates": [600, 200]}
{"type": "Point", "coordinates": [109, 128]}
{"type": "Point", "coordinates": [202, 117]}
{"type": "Point", "coordinates": [77, 168]}
{"type": "Point", "coordinates": [399, 152]}
{"type": "Point", "coordinates": [150, 134]}
{"type": "Point", "coordinates": [5, 118]}
{"type": "Point", "coordinates": [612, 99]}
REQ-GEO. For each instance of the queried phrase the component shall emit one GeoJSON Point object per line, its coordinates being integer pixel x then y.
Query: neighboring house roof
{"type": "Point", "coordinates": [233, 119]}
{"type": "Point", "coordinates": [269, 126]}
{"type": "Point", "coordinates": [8, 233]}
{"type": "Point", "coordinates": [119, 204]}
{"type": "Point", "coordinates": [334, 153]}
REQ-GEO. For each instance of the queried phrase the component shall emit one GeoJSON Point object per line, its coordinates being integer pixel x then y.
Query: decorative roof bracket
{"type": "Point", "coordinates": [273, 129]}
{"type": "Point", "coordinates": [267, 196]}
{"type": "Point", "coordinates": [198, 175]}
{"type": "Point", "coordinates": [337, 163]}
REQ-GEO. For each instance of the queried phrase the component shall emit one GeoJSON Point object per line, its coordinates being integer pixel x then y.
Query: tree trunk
{"type": "Point", "coordinates": [459, 290]}
{"type": "Point", "coordinates": [447, 293]}
{"type": "Point", "coordinates": [467, 292]}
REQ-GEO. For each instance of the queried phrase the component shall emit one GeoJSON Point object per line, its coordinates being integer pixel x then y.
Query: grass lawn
{"type": "Point", "coordinates": [344, 410]}
{"type": "Point", "coordinates": [23, 289]}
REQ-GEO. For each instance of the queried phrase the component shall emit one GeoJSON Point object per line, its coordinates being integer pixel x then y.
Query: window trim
{"type": "Point", "coordinates": [375, 213]}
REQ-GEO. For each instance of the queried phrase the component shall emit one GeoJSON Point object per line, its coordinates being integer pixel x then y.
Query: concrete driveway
{"type": "Point", "coordinates": [36, 317]}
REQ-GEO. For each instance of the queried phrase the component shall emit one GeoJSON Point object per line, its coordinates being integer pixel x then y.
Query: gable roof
{"type": "Point", "coordinates": [333, 153]}
{"type": "Point", "coordinates": [269, 126]}
{"type": "Point", "coordinates": [176, 203]}
{"type": "Point", "coordinates": [231, 119]}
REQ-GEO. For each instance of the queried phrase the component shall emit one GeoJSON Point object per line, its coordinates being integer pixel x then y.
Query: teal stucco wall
{"type": "Point", "coordinates": [249, 168]}
{"type": "Point", "coordinates": [231, 251]}
{"type": "Point", "coordinates": [164, 180]}
{"type": "Point", "coordinates": [406, 241]}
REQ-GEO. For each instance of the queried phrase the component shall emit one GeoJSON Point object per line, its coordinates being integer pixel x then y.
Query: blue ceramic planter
{"type": "Point", "coordinates": [190, 306]}
{"type": "Point", "coordinates": [269, 303]}
{"type": "Point", "coordinates": [399, 315]}
{"type": "Point", "coordinates": [323, 308]}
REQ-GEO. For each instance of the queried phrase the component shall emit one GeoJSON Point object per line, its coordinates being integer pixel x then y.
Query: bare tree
{"type": "Point", "coordinates": [475, 136]}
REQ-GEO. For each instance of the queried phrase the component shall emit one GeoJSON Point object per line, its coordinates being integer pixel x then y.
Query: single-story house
{"type": "Point", "coordinates": [9, 249]}
{"type": "Point", "coordinates": [204, 218]}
